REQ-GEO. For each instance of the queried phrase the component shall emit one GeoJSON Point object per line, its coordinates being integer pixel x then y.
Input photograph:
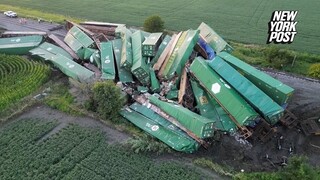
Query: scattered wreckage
{"type": "Point", "coordinates": [185, 87]}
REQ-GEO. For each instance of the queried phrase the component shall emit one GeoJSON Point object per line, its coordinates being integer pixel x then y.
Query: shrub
{"type": "Point", "coordinates": [153, 24]}
{"type": "Point", "coordinates": [314, 70]}
{"type": "Point", "coordinates": [146, 143]}
{"type": "Point", "coordinates": [106, 99]}
{"type": "Point", "coordinates": [278, 57]}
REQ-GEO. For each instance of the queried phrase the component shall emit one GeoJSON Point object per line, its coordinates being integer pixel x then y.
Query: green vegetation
{"type": "Point", "coordinates": [213, 166]}
{"type": "Point", "coordinates": [19, 77]}
{"type": "Point", "coordinates": [314, 70]}
{"type": "Point", "coordinates": [153, 24]}
{"type": "Point", "coordinates": [60, 98]}
{"type": "Point", "coordinates": [74, 153]}
{"type": "Point", "coordinates": [36, 14]}
{"type": "Point", "coordinates": [297, 169]}
{"type": "Point", "coordinates": [282, 59]}
{"type": "Point", "coordinates": [145, 143]}
{"type": "Point", "coordinates": [106, 100]}
{"type": "Point", "coordinates": [245, 21]}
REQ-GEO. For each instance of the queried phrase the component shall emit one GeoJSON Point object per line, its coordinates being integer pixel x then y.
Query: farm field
{"type": "Point", "coordinates": [243, 21]}
{"type": "Point", "coordinates": [74, 152]}
{"type": "Point", "coordinates": [19, 77]}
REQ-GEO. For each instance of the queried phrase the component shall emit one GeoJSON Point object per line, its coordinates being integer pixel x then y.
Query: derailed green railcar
{"type": "Point", "coordinates": [177, 139]}
{"type": "Point", "coordinates": [19, 45]}
{"type": "Point", "coordinates": [126, 51]}
{"type": "Point", "coordinates": [123, 74]}
{"type": "Point", "coordinates": [183, 54]}
{"type": "Point", "coordinates": [240, 111]}
{"type": "Point", "coordinates": [209, 108]}
{"type": "Point", "coordinates": [151, 44]}
{"type": "Point", "coordinates": [268, 108]}
{"type": "Point", "coordinates": [72, 69]}
{"type": "Point", "coordinates": [168, 136]}
{"type": "Point", "coordinates": [107, 61]}
{"type": "Point", "coordinates": [213, 39]}
{"type": "Point", "coordinates": [275, 89]}
{"type": "Point", "coordinates": [77, 39]}
{"type": "Point", "coordinates": [199, 125]}
{"type": "Point", "coordinates": [48, 51]}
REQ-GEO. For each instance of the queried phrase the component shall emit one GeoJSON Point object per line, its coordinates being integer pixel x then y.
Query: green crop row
{"type": "Point", "coordinates": [74, 153]}
{"type": "Point", "coordinates": [19, 77]}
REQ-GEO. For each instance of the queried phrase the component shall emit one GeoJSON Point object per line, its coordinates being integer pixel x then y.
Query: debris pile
{"type": "Point", "coordinates": [185, 87]}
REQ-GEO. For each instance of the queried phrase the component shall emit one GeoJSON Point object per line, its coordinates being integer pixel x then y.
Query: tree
{"type": "Point", "coordinates": [153, 24]}
{"type": "Point", "coordinates": [106, 99]}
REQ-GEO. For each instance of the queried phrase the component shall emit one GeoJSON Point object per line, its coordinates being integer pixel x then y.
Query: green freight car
{"type": "Point", "coordinates": [269, 109]}
{"type": "Point", "coordinates": [187, 143]}
{"type": "Point", "coordinates": [166, 135]}
{"type": "Point", "coordinates": [183, 54]}
{"type": "Point", "coordinates": [124, 75]}
{"type": "Point", "coordinates": [213, 39]}
{"type": "Point", "coordinates": [139, 69]}
{"type": "Point", "coordinates": [19, 45]}
{"type": "Point", "coordinates": [72, 69]}
{"type": "Point", "coordinates": [48, 50]}
{"type": "Point", "coordinates": [77, 39]}
{"type": "Point", "coordinates": [275, 89]}
{"type": "Point", "coordinates": [167, 65]}
{"type": "Point", "coordinates": [126, 51]}
{"type": "Point", "coordinates": [107, 61]}
{"type": "Point", "coordinates": [151, 44]}
{"type": "Point", "coordinates": [161, 48]}
{"type": "Point", "coordinates": [199, 125]}
{"type": "Point", "coordinates": [209, 108]}
{"type": "Point", "coordinates": [240, 111]}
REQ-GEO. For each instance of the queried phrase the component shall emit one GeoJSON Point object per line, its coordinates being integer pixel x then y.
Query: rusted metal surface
{"type": "Point", "coordinates": [201, 51]}
{"type": "Point", "coordinates": [22, 33]}
{"type": "Point", "coordinates": [263, 131]}
{"type": "Point", "coordinates": [311, 126]}
{"type": "Point", "coordinates": [108, 31]}
{"type": "Point", "coordinates": [289, 119]}
{"type": "Point", "coordinates": [64, 46]}
{"type": "Point", "coordinates": [144, 101]}
{"type": "Point", "coordinates": [188, 98]}
{"type": "Point", "coordinates": [93, 68]}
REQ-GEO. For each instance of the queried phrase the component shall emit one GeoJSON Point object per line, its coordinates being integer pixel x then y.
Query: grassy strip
{"type": "Point", "coordinates": [274, 57]}
{"type": "Point", "coordinates": [35, 14]}
{"type": "Point", "coordinates": [213, 166]}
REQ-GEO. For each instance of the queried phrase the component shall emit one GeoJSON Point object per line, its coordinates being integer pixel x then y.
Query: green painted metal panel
{"type": "Point", "coordinates": [161, 48]}
{"type": "Point", "coordinates": [173, 139]}
{"type": "Point", "coordinates": [151, 44]}
{"type": "Point", "coordinates": [174, 54]}
{"type": "Point", "coordinates": [269, 109]}
{"type": "Point", "coordinates": [48, 51]}
{"type": "Point", "coordinates": [72, 69]}
{"type": "Point", "coordinates": [85, 53]}
{"type": "Point", "coordinates": [82, 37]}
{"type": "Point", "coordinates": [213, 39]}
{"type": "Point", "coordinates": [96, 59]}
{"type": "Point", "coordinates": [275, 89]}
{"type": "Point", "coordinates": [107, 61]}
{"type": "Point", "coordinates": [209, 108]}
{"type": "Point", "coordinates": [224, 94]}
{"type": "Point", "coordinates": [123, 74]}
{"type": "Point", "coordinates": [155, 85]}
{"type": "Point", "coordinates": [19, 45]}
{"type": "Point", "coordinates": [136, 40]}
{"type": "Point", "coordinates": [199, 125]}
{"type": "Point", "coordinates": [183, 54]}
{"type": "Point", "coordinates": [139, 68]}
{"type": "Point", "coordinates": [126, 51]}
{"type": "Point", "coordinates": [72, 42]}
